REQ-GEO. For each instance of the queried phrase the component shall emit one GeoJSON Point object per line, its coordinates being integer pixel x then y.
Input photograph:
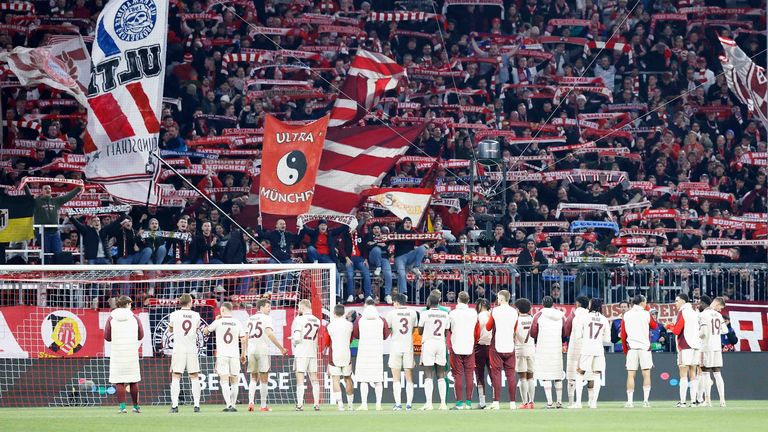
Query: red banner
{"type": "Point", "coordinates": [289, 165]}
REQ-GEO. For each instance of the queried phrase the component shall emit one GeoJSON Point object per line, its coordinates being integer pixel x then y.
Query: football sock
{"type": "Point", "coordinates": [428, 387]}
{"type": "Point", "coordinates": [481, 394]}
{"type": "Point", "coordinates": [442, 389]}
{"type": "Point", "coordinates": [694, 386]}
{"type": "Point", "coordinates": [596, 393]}
{"type": "Point", "coordinates": [263, 392]}
{"type": "Point", "coordinates": [524, 391]}
{"type": "Point", "coordinates": [720, 385]}
{"type": "Point", "coordinates": [300, 395]}
{"type": "Point", "coordinates": [572, 390]}
{"type": "Point", "coordinates": [234, 389]}
{"type": "Point", "coordinates": [226, 392]}
{"type": "Point", "coordinates": [315, 392]}
{"type": "Point", "coordinates": [683, 388]}
{"type": "Point", "coordinates": [339, 400]}
{"type": "Point", "coordinates": [531, 389]}
{"type": "Point", "coordinates": [646, 393]}
{"type": "Point", "coordinates": [559, 390]}
{"type": "Point", "coordinates": [590, 394]}
{"type": "Point", "coordinates": [396, 391]}
{"type": "Point", "coordinates": [547, 391]}
{"type": "Point", "coordinates": [196, 391]}
{"type": "Point", "coordinates": [408, 393]}
{"type": "Point", "coordinates": [578, 388]}
{"type": "Point", "coordinates": [175, 390]}
{"type": "Point", "coordinates": [252, 386]}
{"type": "Point", "coordinates": [631, 395]}
{"type": "Point", "coordinates": [364, 394]}
{"type": "Point", "coordinates": [379, 390]}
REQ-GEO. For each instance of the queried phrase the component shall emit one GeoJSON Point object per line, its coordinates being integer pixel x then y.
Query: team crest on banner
{"type": "Point", "coordinates": [289, 165]}
{"type": "Point", "coordinates": [125, 97]}
{"type": "Point", "coordinates": [63, 333]}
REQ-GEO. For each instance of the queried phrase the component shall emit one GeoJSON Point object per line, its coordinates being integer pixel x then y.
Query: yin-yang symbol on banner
{"type": "Point", "coordinates": [291, 168]}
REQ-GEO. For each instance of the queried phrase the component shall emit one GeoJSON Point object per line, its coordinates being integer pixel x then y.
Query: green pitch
{"type": "Point", "coordinates": [610, 416]}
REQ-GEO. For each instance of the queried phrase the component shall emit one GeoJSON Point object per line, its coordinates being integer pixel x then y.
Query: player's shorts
{"type": "Point", "coordinates": [712, 359]}
{"type": "Point", "coordinates": [305, 364]}
{"type": "Point", "coordinates": [573, 357]}
{"type": "Point", "coordinates": [699, 356]}
{"type": "Point", "coordinates": [258, 362]}
{"type": "Point", "coordinates": [228, 366]}
{"type": "Point", "coordinates": [524, 364]}
{"type": "Point", "coordinates": [433, 353]}
{"type": "Point", "coordinates": [343, 371]}
{"type": "Point", "coordinates": [401, 360]}
{"type": "Point", "coordinates": [590, 364]}
{"type": "Point", "coordinates": [687, 357]}
{"type": "Point", "coordinates": [639, 359]}
{"type": "Point", "coordinates": [189, 362]}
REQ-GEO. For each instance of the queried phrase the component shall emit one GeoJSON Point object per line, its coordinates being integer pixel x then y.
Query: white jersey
{"type": "Point", "coordinates": [504, 320]}
{"type": "Point", "coordinates": [402, 321]}
{"type": "Point", "coordinates": [185, 323]}
{"type": "Point", "coordinates": [524, 346]}
{"type": "Point", "coordinates": [574, 338]}
{"type": "Point", "coordinates": [435, 323]}
{"type": "Point", "coordinates": [340, 333]}
{"type": "Point", "coordinates": [305, 329]}
{"type": "Point", "coordinates": [258, 342]}
{"type": "Point", "coordinates": [228, 332]}
{"type": "Point", "coordinates": [485, 335]}
{"type": "Point", "coordinates": [637, 323]}
{"type": "Point", "coordinates": [463, 322]}
{"type": "Point", "coordinates": [712, 326]}
{"type": "Point", "coordinates": [595, 333]}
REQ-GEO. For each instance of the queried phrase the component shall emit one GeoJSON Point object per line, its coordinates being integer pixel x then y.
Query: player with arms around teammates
{"type": "Point", "coordinates": [712, 327]}
{"type": "Point", "coordinates": [183, 325]}
{"type": "Point", "coordinates": [686, 328]}
{"type": "Point", "coordinates": [337, 338]}
{"type": "Point", "coordinates": [304, 333]}
{"type": "Point", "coordinates": [260, 333]}
{"type": "Point", "coordinates": [503, 322]}
{"type": "Point", "coordinates": [402, 321]}
{"type": "Point", "coordinates": [230, 333]}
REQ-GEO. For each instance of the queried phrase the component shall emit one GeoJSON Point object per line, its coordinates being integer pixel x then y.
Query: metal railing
{"type": "Point", "coordinates": [612, 283]}
{"type": "Point", "coordinates": [36, 248]}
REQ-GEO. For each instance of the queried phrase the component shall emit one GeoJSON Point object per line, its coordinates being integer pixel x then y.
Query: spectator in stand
{"type": "Point", "coordinates": [531, 262]}
{"type": "Point", "coordinates": [130, 246]}
{"type": "Point", "coordinates": [47, 213]}
{"type": "Point", "coordinates": [592, 281]}
{"type": "Point", "coordinates": [205, 246]}
{"type": "Point", "coordinates": [180, 248]}
{"type": "Point", "coordinates": [280, 240]}
{"type": "Point", "coordinates": [378, 257]}
{"type": "Point", "coordinates": [616, 327]}
{"type": "Point", "coordinates": [408, 256]}
{"type": "Point", "coordinates": [155, 242]}
{"type": "Point", "coordinates": [322, 242]}
{"type": "Point", "coordinates": [354, 259]}
{"type": "Point", "coordinates": [95, 241]}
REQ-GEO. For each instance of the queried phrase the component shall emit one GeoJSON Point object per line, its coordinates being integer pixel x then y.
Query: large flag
{"type": "Point", "coordinates": [410, 202]}
{"type": "Point", "coordinates": [745, 79]}
{"type": "Point", "coordinates": [64, 65]}
{"type": "Point", "coordinates": [289, 165]}
{"type": "Point", "coordinates": [16, 214]}
{"type": "Point", "coordinates": [355, 159]}
{"type": "Point", "coordinates": [125, 98]}
{"type": "Point", "coordinates": [370, 76]}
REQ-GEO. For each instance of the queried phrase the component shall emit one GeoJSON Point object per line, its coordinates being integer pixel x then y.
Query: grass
{"type": "Point", "coordinates": [610, 416]}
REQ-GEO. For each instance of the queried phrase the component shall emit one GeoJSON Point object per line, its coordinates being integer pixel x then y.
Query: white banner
{"type": "Point", "coordinates": [402, 202]}
{"type": "Point", "coordinates": [125, 97]}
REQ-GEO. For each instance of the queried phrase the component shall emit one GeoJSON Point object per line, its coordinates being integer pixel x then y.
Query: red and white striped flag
{"type": "Point", "coordinates": [64, 65]}
{"type": "Point", "coordinates": [369, 77]}
{"type": "Point", "coordinates": [355, 159]}
{"type": "Point", "coordinates": [745, 79]}
{"type": "Point", "coordinates": [126, 97]}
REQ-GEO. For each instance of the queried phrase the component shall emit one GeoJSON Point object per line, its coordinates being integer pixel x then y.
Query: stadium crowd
{"type": "Point", "coordinates": [672, 144]}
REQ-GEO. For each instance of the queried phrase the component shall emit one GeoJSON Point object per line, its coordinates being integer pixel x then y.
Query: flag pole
{"type": "Point", "coordinates": [216, 206]}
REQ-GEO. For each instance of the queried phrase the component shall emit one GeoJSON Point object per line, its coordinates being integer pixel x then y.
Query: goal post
{"type": "Point", "coordinates": [52, 319]}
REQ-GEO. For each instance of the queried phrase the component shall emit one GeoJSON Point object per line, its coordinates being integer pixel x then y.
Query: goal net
{"type": "Point", "coordinates": [52, 319]}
